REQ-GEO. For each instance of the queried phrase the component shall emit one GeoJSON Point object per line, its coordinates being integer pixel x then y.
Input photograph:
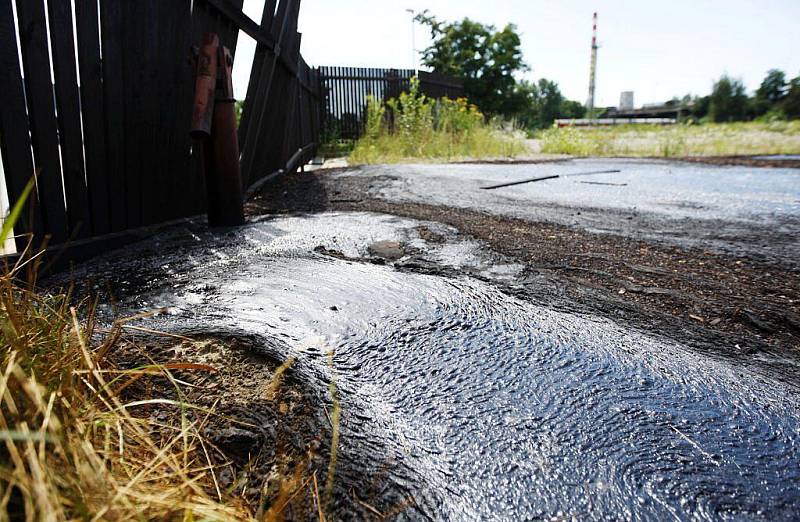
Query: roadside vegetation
{"type": "Point", "coordinates": [710, 139]}
{"type": "Point", "coordinates": [415, 127]}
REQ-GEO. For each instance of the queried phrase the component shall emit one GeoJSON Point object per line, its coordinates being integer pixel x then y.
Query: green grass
{"type": "Point", "coordinates": [712, 139]}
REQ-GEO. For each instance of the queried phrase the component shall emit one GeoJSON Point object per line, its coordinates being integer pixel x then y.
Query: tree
{"type": "Point", "coordinates": [728, 100]}
{"type": "Point", "coordinates": [770, 94]}
{"type": "Point", "coordinates": [541, 103]}
{"type": "Point", "coordinates": [485, 58]}
{"type": "Point", "coordinates": [773, 88]}
{"type": "Point", "coordinates": [700, 106]}
{"type": "Point", "coordinates": [791, 103]}
{"type": "Point", "coordinates": [572, 109]}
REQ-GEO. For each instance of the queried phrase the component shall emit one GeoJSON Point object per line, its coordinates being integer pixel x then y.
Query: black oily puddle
{"type": "Point", "coordinates": [480, 405]}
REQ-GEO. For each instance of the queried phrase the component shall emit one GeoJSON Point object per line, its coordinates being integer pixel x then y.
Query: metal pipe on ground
{"type": "Point", "coordinates": [543, 178]}
{"type": "Point", "coordinates": [294, 162]}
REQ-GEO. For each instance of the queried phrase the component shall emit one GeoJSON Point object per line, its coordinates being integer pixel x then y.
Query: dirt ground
{"type": "Point", "coordinates": [266, 433]}
{"type": "Point", "coordinates": [710, 300]}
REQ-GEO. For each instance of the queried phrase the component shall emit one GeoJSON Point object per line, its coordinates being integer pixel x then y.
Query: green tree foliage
{"type": "Point", "coordinates": [541, 102]}
{"type": "Point", "coordinates": [699, 106]}
{"type": "Point", "coordinates": [770, 94]}
{"type": "Point", "coordinates": [773, 88]}
{"type": "Point", "coordinates": [572, 109]}
{"type": "Point", "coordinates": [488, 60]}
{"type": "Point", "coordinates": [728, 100]}
{"type": "Point", "coordinates": [791, 103]}
{"type": "Point", "coordinates": [485, 58]}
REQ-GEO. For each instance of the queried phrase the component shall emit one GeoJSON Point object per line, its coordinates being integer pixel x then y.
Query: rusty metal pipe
{"type": "Point", "coordinates": [223, 174]}
{"type": "Point", "coordinates": [205, 87]}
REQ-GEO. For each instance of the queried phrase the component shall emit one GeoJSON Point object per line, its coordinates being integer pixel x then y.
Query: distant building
{"type": "Point", "coordinates": [626, 101]}
{"type": "Point", "coordinates": [608, 122]}
{"type": "Point", "coordinates": [673, 109]}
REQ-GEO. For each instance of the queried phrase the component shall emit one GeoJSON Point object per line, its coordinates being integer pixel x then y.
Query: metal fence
{"type": "Point", "coordinates": [107, 135]}
{"type": "Point", "coordinates": [345, 91]}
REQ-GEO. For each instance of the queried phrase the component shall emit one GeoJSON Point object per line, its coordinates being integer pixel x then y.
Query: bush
{"type": "Point", "coordinates": [417, 127]}
{"type": "Point", "coordinates": [457, 116]}
{"type": "Point", "coordinates": [773, 115]}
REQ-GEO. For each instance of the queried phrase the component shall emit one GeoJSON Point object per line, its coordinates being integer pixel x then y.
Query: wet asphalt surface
{"type": "Point", "coordinates": [476, 403]}
{"type": "Point", "coordinates": [736, 210]}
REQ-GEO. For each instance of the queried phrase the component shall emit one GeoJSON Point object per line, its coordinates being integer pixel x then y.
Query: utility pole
{"type": "Point", "coordinates": [413, 39]}
{"type": "Point", "coordinates": [593, 70]}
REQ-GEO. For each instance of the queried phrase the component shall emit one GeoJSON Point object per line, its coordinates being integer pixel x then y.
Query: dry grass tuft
{"type": "Point", "coordinates": [72, 448]}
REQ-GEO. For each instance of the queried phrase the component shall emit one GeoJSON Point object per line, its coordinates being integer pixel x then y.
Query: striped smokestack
{"type": "Point", "coordinates": [593, 70]}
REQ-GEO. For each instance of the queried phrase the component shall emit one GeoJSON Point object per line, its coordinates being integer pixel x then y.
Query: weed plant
{"type": "Point", "coordinates": [414, 127]}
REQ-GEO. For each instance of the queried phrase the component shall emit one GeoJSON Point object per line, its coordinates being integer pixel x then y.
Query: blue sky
{"type": "Point", "coordinates": [656, 49]}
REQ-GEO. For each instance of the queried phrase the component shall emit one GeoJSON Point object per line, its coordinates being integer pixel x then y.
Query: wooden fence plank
{"type": "Point", "coordinates": [151, 67]}
{"type": "Point", "coordinates": [112, 30]}
{"type": "Point", "coordinates": [348, 100]}
{"type": "Point", "coordinates": [255, 160]}
{"type": "Point", "coordinates": [340, 98]}
{"type": "Point", "coordinates": [69, 119]}
{"type": "Point", "coordinates": [234, 16]}
{"type": "Point", "coordinates": [159, 59]}
{"type": "Point", "coordinates": [259, 110]}
{"type": "Point", "coordinates": [15, 142]}
{"type": "Point", "coordinates": [256, 84]}
{"type": "Point", "coordinates": [41, 110]}
{"type": "Point", "coordinates": [363, 101]}
{"type": "Point", "coordinates": [94, 141]}
{"type": "Point", "coordinates": [134, 83]}
{"type": "Point", "coordinates": [177, 88]}
{"type": "Point", "coordinates": [229, 30]}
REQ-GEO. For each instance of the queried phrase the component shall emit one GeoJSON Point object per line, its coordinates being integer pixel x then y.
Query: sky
{"type": "Point", "coordinates": [656, 49]}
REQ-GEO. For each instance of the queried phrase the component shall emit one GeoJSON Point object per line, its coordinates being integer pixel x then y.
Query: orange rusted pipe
{"type": "Point", "coordinates": [205, 87]}
{"type": "Point", "coordinates": [223, 174]}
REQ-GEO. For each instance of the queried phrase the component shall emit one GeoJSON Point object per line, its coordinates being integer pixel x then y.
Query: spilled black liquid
{"type": "Point", "coordinates": [484, 406]}
{"type": "Point", "coordinates": [725, 209]}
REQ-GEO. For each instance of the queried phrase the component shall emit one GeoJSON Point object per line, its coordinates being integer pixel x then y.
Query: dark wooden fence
{"type": "Point", "coordinates": [345, 91]}
{"type": "Point", "coordinates": [108, 134]}
{"type": "Point", "coordinates": [281, 119]}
